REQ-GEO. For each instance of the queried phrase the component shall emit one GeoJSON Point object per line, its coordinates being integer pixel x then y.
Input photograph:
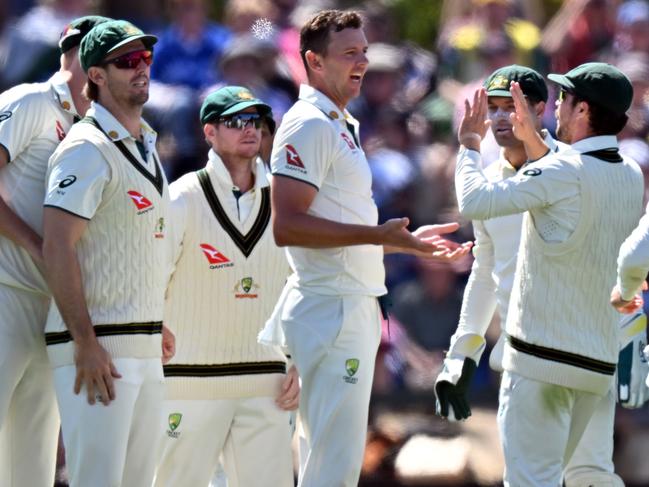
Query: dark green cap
{"type": "Point", "coordinates": [75, 30]}
{"type": "Point", "coordinates": [599, 83]}
{"type": "Point", "coordinates": [107, 37]}
{"type": "Point", "coordinates": [228, 101]}
{"type": "Point", "coordinates": [530, 81]}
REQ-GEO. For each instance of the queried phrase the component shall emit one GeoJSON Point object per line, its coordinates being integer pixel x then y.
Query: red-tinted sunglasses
{"type": "Point", "coordinates": [131, 60]}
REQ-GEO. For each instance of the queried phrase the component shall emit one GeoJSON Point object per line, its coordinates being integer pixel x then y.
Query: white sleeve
{"type": "Point", "coordinates": [479, 300]}
{"type": "Point", "coordinates": [304, 151]}
{"type": "Point", "coordinates": [21, 119]}
{"type": "Point", "coordinates": [538, 185]}
{"type": "Point", "coordinates": [77, 176]}
{"type": "Point", "coordinates": [633, 259]}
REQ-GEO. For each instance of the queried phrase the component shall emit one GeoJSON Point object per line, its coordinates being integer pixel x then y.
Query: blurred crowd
{"type": "Point", "coordinates": [425, 58]}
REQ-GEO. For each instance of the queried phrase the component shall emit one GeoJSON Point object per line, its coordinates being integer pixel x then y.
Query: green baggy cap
{"type": "Point", "coordinates": [107, 37]}
{"type": "Point", "coordinates": [530, 81]}
{"type": "Point", "coordinates": [77, 29]}
{"type": "Point", "coordinates": [600, 83]}
{"type": "Point", "coordinates": [228, 101]}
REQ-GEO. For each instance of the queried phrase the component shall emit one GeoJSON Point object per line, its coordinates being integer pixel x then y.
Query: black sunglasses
{"type": "Point", "coordinates": [241, 120]}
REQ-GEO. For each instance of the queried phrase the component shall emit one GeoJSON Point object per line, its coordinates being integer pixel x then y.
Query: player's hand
{"type": "Point", "coordinates": [474, 124]}
{"type": "Point", "coordinates": [95, 372]}
{"type": "Point", "coordinates": [396, 238]}
{"type": "Point", "coordinates": [449, 250]}
{"type": "Point", "coordinates": [451, 388]}
{"type": "Point", "coordinates": [289, 396]}
{"type": "Point", "coordinates": [168, 345]}
{"type": "Point", "coordinates": [624, 306]}
{"type": "Point", "coordinates": [523, 125]}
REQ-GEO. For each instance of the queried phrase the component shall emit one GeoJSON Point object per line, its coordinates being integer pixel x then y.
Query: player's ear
{"type": "Point", "coordinates": [209, 131]}
{"type": "Point", "coordinates": [313, 60]}
{"type": "Point", "coordinates": [539, 108]}
{"type": "Point", "coordinates": [97, 75]}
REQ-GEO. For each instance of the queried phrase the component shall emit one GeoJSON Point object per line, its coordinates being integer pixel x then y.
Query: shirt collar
{"type": "Point", "coordinates": [218, 170]}
{"type": "Point", "coordinates": [62, 94]}
{"type": "Point", "coordinates": [595, 143]}
{"type": "Point", "coordinates": [324, 104]}
{"type": "Point", "coordinates": [547, 138]}
{"type": "Point", "coordinates": [115, 130]}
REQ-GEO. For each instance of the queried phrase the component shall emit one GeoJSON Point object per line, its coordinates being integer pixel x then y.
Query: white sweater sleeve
{"type": "Point", "coordinates": [539, 185]}
{"type": "Point", "coordinates": [479, 301]}
{"type": "Point", "coordinates": [633, 259]}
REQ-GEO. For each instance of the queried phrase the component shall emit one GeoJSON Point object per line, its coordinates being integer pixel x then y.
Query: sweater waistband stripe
{"type": "Point", "coordinates": [561, 356]}
{"type": "Point", "coordinates": [150, 328]}
{"type": "Point", "coordinates": [219, 370]}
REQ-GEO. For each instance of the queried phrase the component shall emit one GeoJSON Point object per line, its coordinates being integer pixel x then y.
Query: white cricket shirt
{"type": "Point", "coordinates": [318, 144]}
{"type": "Point", "coordinates": [34, 119]}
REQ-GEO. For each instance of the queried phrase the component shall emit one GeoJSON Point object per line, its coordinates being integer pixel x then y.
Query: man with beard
{"type": "Point", "coordinates": [492, 276]}
{"type": "Point", "coordinates": [34, 118]}
{"type": "Point", "coordinates": [105, 217]}
{"type": "Point", "coordinates": [561, 337]}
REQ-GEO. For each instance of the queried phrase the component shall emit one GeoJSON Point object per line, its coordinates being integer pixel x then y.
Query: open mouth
{"type": "Point", "coordinates": [356, 78]}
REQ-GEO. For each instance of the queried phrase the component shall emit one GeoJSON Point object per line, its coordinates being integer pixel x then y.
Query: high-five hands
{"type": "Point", "coordinates": [474, 123]}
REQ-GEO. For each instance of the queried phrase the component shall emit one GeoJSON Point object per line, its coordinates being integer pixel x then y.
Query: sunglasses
{"type": "Point", "coordinates": [131, 60]}
{"type": "Point", "coordinates": [241, 121]}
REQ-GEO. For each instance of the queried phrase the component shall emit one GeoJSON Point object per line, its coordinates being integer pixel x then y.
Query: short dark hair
{"type": "Point", "coordinates": [91, 90]}
{"type": "Point", "coordinates": [314, 35]}
{"type": "Point", "coordinates": [602, 120]}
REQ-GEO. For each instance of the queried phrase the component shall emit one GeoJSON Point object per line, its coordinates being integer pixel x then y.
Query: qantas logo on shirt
{"type": "Point", "coordinates": [216, 259]}
{"type": "Point", "coordinates": [349, 141]}
{"type": "Point", "coordinates": [293, 158]}
{"type": "Point", "coordinates": [60, 133]}
{"type": "Point", "coordinates": [141, 202]}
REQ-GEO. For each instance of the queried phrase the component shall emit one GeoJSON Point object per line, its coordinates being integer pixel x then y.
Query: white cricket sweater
{"type": "Point", "coordinates": [226, 281]}
{"type": "Point", "coordinates": [561, 328]}
{"type": "Point", "coordinates": [121, 254]}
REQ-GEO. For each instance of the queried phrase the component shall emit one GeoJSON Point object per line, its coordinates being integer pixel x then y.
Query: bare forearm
{"type": "Point", "coordinates": [304, 230]}
{"type": "Point", "coordinates": [64, 279]}
{"type": "Point", "coordinates": [535, 147]}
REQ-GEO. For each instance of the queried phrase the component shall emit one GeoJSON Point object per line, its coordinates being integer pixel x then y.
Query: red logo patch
{"type": "Point", "coordinates": [213, 255]}
{"type": "Point", "coordinates": [140, 201]}
{"type": "Point", "coordinates": [348, 140]}
{"type": "Point", "coordinates": [292, 157]}
{"type": "Point", "coordinates": [60, 133]}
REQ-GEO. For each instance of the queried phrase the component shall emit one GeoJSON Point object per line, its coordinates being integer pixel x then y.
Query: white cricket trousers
{"type": "Point", "coordinates": [115, 445]}
{"type": "Point", "coordinates": [593, 458]}
{"type": "Point", "coordinates": [333, 341]}
{"type": "Point", "coordinates": [253, 434]}
{"type": "Point", "coordinates": [540, 426]}
{"type": "Point", "coordinates": [29, 419]}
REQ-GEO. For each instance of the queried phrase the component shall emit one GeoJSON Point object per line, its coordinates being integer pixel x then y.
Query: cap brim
{"type": "Point", "coordinates": [262, 107]}
{"type": "Point", "coordinates": [147, 39]}
{"type": "Point", "coordinates": [506, 93]}
{"type": "Point", "coordinates": [561, 80]}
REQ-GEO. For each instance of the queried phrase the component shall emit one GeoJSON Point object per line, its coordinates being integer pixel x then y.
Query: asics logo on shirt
{"type": "Point", "coordinates": [68, 181]}
{"type": "Point", "coordinates": [292, 157]}
{"type": "Point", "coordinates": [5, 115]}
{"type": "Point", "coordinates": [216, 259]}
{"type": "Point", "coordinates": [141, 202]}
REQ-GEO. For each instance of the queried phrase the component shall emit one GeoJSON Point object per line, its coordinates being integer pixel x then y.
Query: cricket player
{"type": "Point", "coordinates": [490, 284]}
{"type": "Point", "coordinates": [226, 393]}
{"type": "Point", "coordinates": [324, 213]}
{"type": "Point", "coordinates": [106, 209]}
{"type": "Point", "coordinates": [34, 118]}
{"type": "Point", "coordinates": [561, 342]}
